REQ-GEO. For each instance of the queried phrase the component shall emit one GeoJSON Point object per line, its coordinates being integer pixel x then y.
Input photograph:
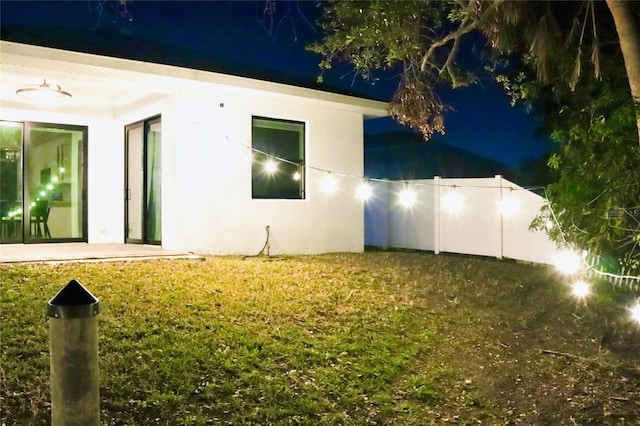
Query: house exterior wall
{"type": "Point", "coordinates": [206, 172]}
{"type": "Point", "coordinates": [105, 164]}
{"type": "Point", "coordinates": [215, 212]}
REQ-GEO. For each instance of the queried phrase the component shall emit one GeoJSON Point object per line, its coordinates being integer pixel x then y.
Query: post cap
{"type": "Point", "coordinates": [73, 301]}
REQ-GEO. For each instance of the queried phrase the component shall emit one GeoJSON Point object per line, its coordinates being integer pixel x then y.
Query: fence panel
{"type": "Point", "coordinates": [492, 220]}
{"type": "Point", "coordinates": [376, 216]}
{"type": "Point", "coordinates": [474, 227]}
{"type": "Point", "coordinates": [520, 208]}
{"type": "Point", "coordinates": [412, 227]}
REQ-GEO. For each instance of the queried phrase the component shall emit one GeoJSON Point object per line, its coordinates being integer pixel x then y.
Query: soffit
{"type": "Point", "coordinates": [100, 80]}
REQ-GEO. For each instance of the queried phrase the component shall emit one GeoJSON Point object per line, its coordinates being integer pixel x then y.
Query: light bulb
{"type": "Point", "coordinates": [509, 207]}
{"type": "Point", "coordinates": [364, 191]}
{"type": "Point", "coordinates": [270, 166]}
{"type": "Point", "coordinates": [329, 184]}
{"type": "Point", "coordinates": [635, 312]}
{"type": "Point", "coordinates": [580, 289]}
{"type": "Point", "coordinates": [452, 202]}
{"type": "Point", "coordinates": [407, 197]}
{"type": "Point", "coordinates": [568, 262]}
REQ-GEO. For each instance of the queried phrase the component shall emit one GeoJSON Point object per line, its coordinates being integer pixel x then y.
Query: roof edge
{"type": "Point", "coordinates": [368, 107]}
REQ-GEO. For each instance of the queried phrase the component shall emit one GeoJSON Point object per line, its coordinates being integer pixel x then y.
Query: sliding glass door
{"type": "Point", "coordinates": [43, 189]}
{"type": "Point", "coordinates": [11, 148]}
{"type": "Point", "coordinates": [143, 182]}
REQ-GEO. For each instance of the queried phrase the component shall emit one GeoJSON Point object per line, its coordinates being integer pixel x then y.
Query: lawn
{"type": "Point", "coordinates": [341, 339]}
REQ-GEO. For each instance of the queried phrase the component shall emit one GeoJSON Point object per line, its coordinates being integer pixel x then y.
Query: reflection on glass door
{"type": "Point", "coordinates": [10, 182]}
{"type": "Point", "coordinates": [42, 183]}
{"type": "Point", "coordinates": [55, 177]}
{"type": "Point", "coordinates": [153, 196]}
{"type": "Point", "coordinates": [143, 182]}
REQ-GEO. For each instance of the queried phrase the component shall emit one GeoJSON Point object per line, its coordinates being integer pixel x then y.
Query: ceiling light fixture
{"type": "Point", "coordinates": [44, 92]}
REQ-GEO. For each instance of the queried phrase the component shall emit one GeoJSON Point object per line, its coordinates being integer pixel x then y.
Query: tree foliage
{"type": "Point", "coordinates": [596, 196]}
{"type": "Point", "coordinates": [397, 36]}
{"type": "Point", "coordinates": [563, 56]}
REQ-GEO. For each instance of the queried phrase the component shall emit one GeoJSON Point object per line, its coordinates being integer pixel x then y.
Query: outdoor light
{"type": "Point", "coordinates": [508, 207]}
{"type": "Point", "coordinates": [580, 289]}
{"type": "Point", "coordinates": [568, 262]}
{"type": "Point", "coordinates": [329, 184]}
{"type": "Point", "coordinates": [44, 92]}
{"type": "Point", "coordinates": [364, 191]}
{"type": "Point", "coordinates": [635, 312]}
{"type": "Point", "coordinates": [296, 176]}
{"type": "Point", "coordinates": [407, 197]}
{"type": "Point", "coordinates": [452, 201]}
{"type": "Point", "coordinates": [270, 166]}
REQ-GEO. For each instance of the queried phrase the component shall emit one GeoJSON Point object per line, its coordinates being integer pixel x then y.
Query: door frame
{"type": "Point", "coordinates": [26, 154]}
{"type": "Point", "coordinates": [27, 238]}
{"type": "Point", "coordinates": [145, 124]}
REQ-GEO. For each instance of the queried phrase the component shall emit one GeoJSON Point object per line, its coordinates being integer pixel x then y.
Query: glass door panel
{"type": "Point", "coordinates": [11, 148]}
{"type": "Point", "coordinates": [55, 179]}
{"type": "Point", "coordinates": [135, 183]}
{"type": "Point", "coordinates": [153, 180]}
{"type": "Point", "coordinates": [143, 182]}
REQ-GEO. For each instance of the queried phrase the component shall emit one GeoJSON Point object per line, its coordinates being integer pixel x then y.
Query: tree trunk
{"type": "Point", "coordinates": [629, 35]}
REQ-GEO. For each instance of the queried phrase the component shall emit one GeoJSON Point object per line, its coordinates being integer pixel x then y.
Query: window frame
{"type": "Point", "coordinates": [258, 155]}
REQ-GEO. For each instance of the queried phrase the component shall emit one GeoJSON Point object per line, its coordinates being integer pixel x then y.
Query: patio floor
{"type": "Point", "coordinates": [83, 252]}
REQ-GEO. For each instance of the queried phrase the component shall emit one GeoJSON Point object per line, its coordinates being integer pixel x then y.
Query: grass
{"type": "Point", "coordinates": [340, 339]}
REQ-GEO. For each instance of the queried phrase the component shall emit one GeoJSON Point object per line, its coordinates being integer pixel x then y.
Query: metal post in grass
{"type": "Point", "coordinates": [73, 346]}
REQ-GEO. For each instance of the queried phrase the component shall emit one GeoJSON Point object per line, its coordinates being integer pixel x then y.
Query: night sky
{"type": "Point", "coordinates": [273, 41]}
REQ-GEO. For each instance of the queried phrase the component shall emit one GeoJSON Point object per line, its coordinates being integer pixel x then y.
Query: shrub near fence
{"type": "Point", "coordinates": [492, 218]}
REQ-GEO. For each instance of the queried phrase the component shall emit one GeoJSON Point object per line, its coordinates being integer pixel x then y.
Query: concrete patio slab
{"type": "Point", "coordinates": [83, 252]}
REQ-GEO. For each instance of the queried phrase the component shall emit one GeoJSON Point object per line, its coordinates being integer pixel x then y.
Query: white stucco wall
{"type": "Point", "coordinates": [206, 173]}
{"type": "Point", "coordinates": [214, 209]}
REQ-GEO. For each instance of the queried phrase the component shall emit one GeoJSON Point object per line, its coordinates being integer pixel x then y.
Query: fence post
{"type": "Point", "coordinates": [436, 214]}
{"type": "Point", "coordinates": [73, 347]}
{"type": "Point", "coordinates": [501, 212]}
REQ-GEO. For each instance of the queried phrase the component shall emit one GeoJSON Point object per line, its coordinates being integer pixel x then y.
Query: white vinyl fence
{"type": "Point", "coordinates": [492, 218]}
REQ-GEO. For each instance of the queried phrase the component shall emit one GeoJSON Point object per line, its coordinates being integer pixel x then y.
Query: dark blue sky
{"type": "Point", "coordinates": [274, 40]}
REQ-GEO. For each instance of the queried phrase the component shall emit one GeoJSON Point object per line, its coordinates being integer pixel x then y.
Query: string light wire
{"type": "Point", "coordinates": [432, 184]}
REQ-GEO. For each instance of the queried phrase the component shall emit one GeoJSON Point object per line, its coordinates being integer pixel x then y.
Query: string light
{"type": "Point", "coordinates": [568, 262]}
{"type": "Point", "coordinates": [270, 166]}
{"type": "Point", "coordinates": [328, 184]}
{"type": "Point", "coordinates": [635, 312]}
{"type": "Point", "coordinates": [364, 191]}
{"type": "Point", "coordinates": [452, 201]}
{"type": "Point", "coordinates": [509, 207]}
{"type": "Point", "coordinates": [580, 289]}
{"type": "Point", "coordinates": [407, 197]}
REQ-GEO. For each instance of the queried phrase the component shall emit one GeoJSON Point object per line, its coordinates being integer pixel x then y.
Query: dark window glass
{"type": "Point", "coordinates": [277, 169]}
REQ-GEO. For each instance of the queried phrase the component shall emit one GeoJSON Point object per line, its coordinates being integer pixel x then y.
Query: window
{"type": "Point", "coordinates": [43, 182]}
{"type": "Point", "coordinates": [277, 170]}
